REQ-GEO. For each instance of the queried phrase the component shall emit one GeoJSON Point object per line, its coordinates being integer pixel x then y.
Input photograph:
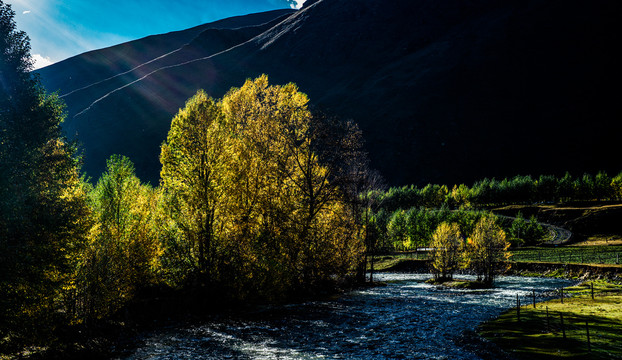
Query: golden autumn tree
{"type": "Point", "coordinates": [301, 197]}
{"type": "Point", "coordinates": [262, 203]}
{"type": "Point", "coordinates": [305, 217]}
{"type": "Point", "coordinates": [195, 160]}
{"type": "Point", "coordinates": [253, 196]}
{"type": "Point", "coordinates": [486, 250]}
{"type": "Point", "coordinates": [446, 245]}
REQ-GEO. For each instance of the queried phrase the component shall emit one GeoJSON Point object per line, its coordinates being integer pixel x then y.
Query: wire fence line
{"type": "Point", "coordinates": [601, 255]}
{"type": "Point", "coordinates": [611, 255]}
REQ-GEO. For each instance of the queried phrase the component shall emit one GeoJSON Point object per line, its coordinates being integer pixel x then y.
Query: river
{"type": "Point", "coordinates": [407, 319]}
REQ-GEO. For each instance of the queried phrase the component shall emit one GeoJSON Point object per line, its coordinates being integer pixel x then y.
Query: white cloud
{"type": "Point", "coordinates": [297, 4]}
{"type": "Point", "coordinates": [40, 61]}
{"type": "Point", "coordinates": [26, 12]}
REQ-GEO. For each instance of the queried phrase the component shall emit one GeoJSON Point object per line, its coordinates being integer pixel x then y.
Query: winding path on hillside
{"type": "Point", "coordinates": [559, 235]}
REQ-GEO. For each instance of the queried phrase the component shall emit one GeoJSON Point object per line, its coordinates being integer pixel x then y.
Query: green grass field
{"type": "Point", "coordinates": [383, 262]}
{"type": "Point", "coordinates": [539, 333]}
{"type": "Point", "coordinates": [570, 254]}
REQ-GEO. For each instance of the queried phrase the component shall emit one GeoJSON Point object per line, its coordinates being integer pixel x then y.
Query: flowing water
{"type": "Point", "coordinates": [407, 319]}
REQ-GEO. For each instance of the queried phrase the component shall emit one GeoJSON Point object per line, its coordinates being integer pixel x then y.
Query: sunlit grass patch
{"type": "Point", "coordinates": [601, 288]}
{"type": "Point", "coordinates": [384, 262]}
{"type": "Point", "coordinates": [539, 334]}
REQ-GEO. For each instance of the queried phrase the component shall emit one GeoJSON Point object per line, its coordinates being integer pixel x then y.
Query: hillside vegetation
{"type": "Point", "coordinates": [404, 218]}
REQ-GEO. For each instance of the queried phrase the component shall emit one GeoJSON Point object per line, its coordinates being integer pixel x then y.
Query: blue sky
{"type": "Point", "coordinates": [59, 29]}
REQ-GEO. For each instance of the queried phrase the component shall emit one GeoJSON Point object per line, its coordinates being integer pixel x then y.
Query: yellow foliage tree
{"type": "Point", "coordinates": [195, 160]}
{"type": "Point", "coordinates": [446, 245]}
{"type": "Point", "coordinates": [253, 197]}
{"type": "Point", "coordinates": [486, 250]}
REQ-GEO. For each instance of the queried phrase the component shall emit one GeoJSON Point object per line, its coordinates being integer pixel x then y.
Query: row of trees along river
{"type": "Point", "coordinates": [257, 202]}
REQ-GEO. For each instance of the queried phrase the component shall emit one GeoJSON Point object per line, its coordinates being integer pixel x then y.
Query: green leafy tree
{"type": "Point", "coordinates": [616, 186]}
{"type": "Point", "coordinates": [565, 189]}
{"type": "Point", "coordinates": [397, 230]}
{"type": "Point", "coordinates": [123, 251]}
{"type": "Point", "coordinates": [43, 208]}
{"type": "Point", "coordinates": [417, 229]}
{"type": "Point", "coordinates": [545, 188]}
{"type": "Point", "coordinates": [530, 232]}
{"type": "Point", "coordinates": [602, 186]}
{"type": "Point", "coordinates": [381, 219]}
{"type": "Point", "coordinates": [518, 230]}
{"type": "Point", "coordinates": [584, 188]}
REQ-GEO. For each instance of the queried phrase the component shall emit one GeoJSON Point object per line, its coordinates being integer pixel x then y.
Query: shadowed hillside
{"type": "Point", "coordinates": [93, 66]}
{"type": "Point", "coordinates": [444, 92]}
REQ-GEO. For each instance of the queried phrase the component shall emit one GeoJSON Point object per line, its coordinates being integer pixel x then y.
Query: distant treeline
{"type": "Point", "coordinates": [411, 229]}
{"type": "Point", "coordinates": [404, 218]}
{"type": "Point", "coordinates": [516, 190]}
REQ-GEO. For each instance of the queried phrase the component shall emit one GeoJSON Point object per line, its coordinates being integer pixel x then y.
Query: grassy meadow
{"type": "Point", "coordinates": [539, 333]}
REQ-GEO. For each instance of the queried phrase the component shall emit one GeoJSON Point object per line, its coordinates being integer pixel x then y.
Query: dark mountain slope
{"type": "Point", "coordinates": [208, 42]}
{"type": "Point", "coordinates": [453, 91]}
{"type": "Point", "coordinates": [444, 91]}
{"type": "Point", "coordinates": [93, 66]}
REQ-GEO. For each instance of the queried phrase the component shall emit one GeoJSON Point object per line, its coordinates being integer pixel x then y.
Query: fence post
{"type": "Point", "coordinates": [533, 293]}
{"type": "Point", "coordinates": [517, 308]}
{"type": "Point", "coordinates": [562, 291]}
{"type": "Point", "coordinates": [587, 330]}
{"type": "Point", "coordinates": [561, 317]}
{"type": "Point", "coordinates": [548, 323]}
{"type": "Point", "coordinates": [592, 286]}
